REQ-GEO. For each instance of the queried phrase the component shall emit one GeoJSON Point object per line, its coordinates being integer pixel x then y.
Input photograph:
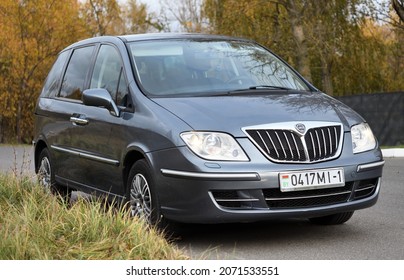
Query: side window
{"type": "Point", "coordinates": [51, 86]}
{"type": "Point", "coordinates": [108, 73]}
{"type": "Point", "coordinates": [75, 76]}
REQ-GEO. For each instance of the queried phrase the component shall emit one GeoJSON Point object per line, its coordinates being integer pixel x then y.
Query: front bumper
{"type": "Point", "coordinates": [196, 191]}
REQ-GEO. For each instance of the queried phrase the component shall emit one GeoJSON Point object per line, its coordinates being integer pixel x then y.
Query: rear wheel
{"type": "Point", "coordinates": [335, 219]}
{"type": "Point", "coordinates": [142, 198]}
{"type": "Point", "coordinates": [46, 177]}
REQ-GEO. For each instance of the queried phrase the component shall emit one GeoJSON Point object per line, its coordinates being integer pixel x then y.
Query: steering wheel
{"type": "Point", "coordinates": [239, 80]}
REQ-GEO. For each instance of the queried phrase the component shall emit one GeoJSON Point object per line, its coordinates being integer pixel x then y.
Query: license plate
{"type": "Point", "coordinates": [311, 179]}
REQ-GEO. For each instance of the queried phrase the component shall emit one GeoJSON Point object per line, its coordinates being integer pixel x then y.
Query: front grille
{"type": "Point", "coordinates": [322, 141]}
{"type": "Point", "coordinates": [227, 199]}
{"type": "Point", "coordinates": [279, 144]}
{"type": "Point", "coordinates": [280, 200]}
{"type": "Point", "coordinates": [235, 199]}
{"type": "Point", "coordinates": [274, 199]}
{"type": "Point", "coordinates": [365, 188]}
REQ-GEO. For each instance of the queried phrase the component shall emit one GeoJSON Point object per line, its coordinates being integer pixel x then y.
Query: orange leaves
{"type": "Point", "coordinates": [32, 33]}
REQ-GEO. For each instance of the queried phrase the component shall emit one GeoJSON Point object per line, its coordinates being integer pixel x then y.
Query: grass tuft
{"type": "Point", "coordinates": [35, 225]}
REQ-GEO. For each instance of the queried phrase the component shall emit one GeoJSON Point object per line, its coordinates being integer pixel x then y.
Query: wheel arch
{"type": "Point", "coordinates": [131, 157]}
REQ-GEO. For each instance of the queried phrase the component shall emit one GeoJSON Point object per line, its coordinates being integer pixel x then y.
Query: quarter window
{"type": "Point", "coordinates": [52, 81]}
{"type": "Point", "coordinates": [76, 72]}
{"type": "Point", "coordinates": [108, 73]}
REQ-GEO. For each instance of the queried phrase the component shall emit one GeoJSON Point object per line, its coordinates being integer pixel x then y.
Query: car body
{"type": "Point", "coordinates": [201, 129]}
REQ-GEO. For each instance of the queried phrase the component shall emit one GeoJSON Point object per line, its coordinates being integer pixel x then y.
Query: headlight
{"type": "Point", "coordinates": [214, 146]}
{"type": "Point", "coordinates": [362, 138]}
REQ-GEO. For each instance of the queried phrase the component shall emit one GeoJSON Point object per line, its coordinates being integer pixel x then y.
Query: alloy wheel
{"type": "Point", "coordinates": [45, 173]}
{"type": "Point", "coordinates": [140, 198]}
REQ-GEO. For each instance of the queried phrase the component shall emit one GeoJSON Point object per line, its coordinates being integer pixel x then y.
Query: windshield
{"type": "Point", "coordinates": [192, 67]}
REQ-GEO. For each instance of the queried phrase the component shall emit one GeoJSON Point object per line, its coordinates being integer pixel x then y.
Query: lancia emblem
{"type": "Point", "coordinates": [301, 128]}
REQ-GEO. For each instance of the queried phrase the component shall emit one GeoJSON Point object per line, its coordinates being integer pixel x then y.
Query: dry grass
{"type": "Point", "coordinates": [35, 225]}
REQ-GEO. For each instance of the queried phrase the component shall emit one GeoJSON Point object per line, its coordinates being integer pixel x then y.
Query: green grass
{"type": "Point", "coordinates": [36, 225]}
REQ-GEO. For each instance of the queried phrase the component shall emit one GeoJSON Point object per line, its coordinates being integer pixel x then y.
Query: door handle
{"type": "Point", "coordinates": [78, 120]}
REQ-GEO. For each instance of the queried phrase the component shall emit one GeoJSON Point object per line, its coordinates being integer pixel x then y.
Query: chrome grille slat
{"type": "Point", "coordinates": [336, 137]}
{"type": "Point", "coordinates": [297, 147]}
{"type": "Point", "coordinates": [312, 144]}
{"type": "Point", "coordinates": [318, 143]}
{"type": "Point", "coordinates": [280, 143]}
{"type": "Point", "coordinates": [325, 144]}
{"type": "Point", "coordinates": [287, 141]}
{"type": "Point", "coordinates": [266, 147]}
{"type": "Point", "coordinates": [273, 145]}
{"type": "Point", "coordinates": [329, 135]}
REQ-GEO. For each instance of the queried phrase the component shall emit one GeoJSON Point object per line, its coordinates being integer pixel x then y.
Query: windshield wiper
{"type": "Point", "coordinates": [266, 86]}
{"type": "Point", "coordinates": [255, 88]}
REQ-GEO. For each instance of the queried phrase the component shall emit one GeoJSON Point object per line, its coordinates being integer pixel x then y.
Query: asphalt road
{"type": "Point", "coordinates": [373, 233]}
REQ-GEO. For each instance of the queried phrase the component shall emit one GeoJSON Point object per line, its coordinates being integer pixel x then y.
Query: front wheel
{"type": "Point", "coordinates": [335, 219]}
{"type": "Point", "coordinates": [142, 198]}
{"type": "Point", "coordinates": [46, 177]}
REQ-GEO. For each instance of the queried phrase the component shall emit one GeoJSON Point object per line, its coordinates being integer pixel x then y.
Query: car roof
{"type": "Point", "coordinates": [151, 36]}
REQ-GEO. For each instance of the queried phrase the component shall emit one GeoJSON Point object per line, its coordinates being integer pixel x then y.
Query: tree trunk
{"type": "Point", "coordinates": [326, 77]}
{"type": "Point", "coordinates": [398, 6]}
{"type": "Point", "coordinates": [18, 122]}
{"type": "Point", "coordinates": [302, 57]}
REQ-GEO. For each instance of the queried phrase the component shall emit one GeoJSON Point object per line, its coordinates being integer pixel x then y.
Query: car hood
{"type": "Point", "coordinates": [231, 113]}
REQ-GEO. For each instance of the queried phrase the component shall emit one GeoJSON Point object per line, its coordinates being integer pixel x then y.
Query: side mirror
{"type": "Point", "coordinates": [100, 97]}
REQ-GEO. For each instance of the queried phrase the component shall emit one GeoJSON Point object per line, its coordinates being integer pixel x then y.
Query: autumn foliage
{"type": "Point", "coordinates": [33, 32]}
{"type": "Point", "coordinates": [338, 44]}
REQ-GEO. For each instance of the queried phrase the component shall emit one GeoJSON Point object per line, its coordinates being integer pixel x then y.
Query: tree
{"type": "Point", "coordinates": [109, 17]}
{"type": "Point", "coordinates": [188, 13]}
{"type": "Point", "coordinates": [327, 41]}
{"type": "Point", "coordinates": [138, 20]}
{"type": "Point", "coordinates": [32, 33]}
{"type": "Point", "coordinates": [102, 17]}
{"type": "Point", "coordinates": [398, 6]}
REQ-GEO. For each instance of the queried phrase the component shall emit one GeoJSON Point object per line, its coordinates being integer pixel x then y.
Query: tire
{"type": "Point", "coordinates": [335, 219]}
{"type": "Point", "coordinates": [142, 198]}
{"type": "Point", "coordinates": [46, 177]}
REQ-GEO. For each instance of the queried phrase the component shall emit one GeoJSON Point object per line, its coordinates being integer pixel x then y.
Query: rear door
{"type": "Point", "coordinates": [64, 136]}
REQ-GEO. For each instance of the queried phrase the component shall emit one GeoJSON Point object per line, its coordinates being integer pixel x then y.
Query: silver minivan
{"type": "Point", "coordinates": [202, 129]}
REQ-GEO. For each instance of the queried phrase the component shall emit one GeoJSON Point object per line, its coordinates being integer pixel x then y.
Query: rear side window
{"type": "Point", "coordinates": [76, 72]}
{"type": "Point", "coordinates": [51, 86]}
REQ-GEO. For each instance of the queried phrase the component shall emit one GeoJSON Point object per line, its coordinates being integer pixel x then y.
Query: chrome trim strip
{"type": "Point", "coordinates": [236, 200]}
{"type": "Point", "coordinates": [60, 149]}
{"type": "Point", "coordinates": [212, 176]}
{"type": "Point", "coordinates": [365, 189]}
{"type": "Point", "coordinates": [304, 197]}
{"type": "Point", "coordinates": [364, 167]}
{"type": "Point", "coordinates": [86, 155]}
{"type": "Point", "coordinates": [78, 121]}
